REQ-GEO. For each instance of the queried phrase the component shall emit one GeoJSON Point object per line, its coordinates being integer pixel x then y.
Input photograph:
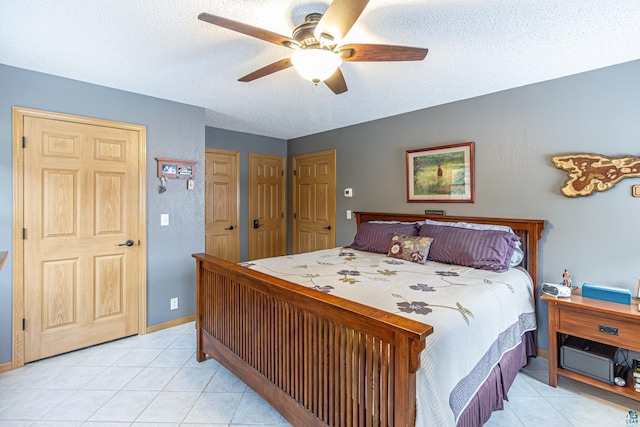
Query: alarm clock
{"type": "Point", "coordinates": [558, 291]}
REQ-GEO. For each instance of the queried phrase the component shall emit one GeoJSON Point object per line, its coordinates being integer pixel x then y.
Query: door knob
{"type": "Point", "coordinates": [328, 227]}
{"type": "Point", "coordinates": [256, 223]}
{"type": "Point", "coordinates": [127, 243]}
{"type": "Point", "coordinates": [229, 227]}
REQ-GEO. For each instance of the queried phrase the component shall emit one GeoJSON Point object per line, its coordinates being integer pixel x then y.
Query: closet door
{"type": "Point", "coordinates": [222, 199]}
{"type": "Point", "coordinates": [314, 201]}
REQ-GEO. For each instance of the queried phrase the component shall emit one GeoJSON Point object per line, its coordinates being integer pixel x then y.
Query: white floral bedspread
{"type": "Point", "coordinates": [476, 315]}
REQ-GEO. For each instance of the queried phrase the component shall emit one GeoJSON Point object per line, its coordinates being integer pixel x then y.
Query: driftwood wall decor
{"type": "Point", "coordinates": [594, 172]}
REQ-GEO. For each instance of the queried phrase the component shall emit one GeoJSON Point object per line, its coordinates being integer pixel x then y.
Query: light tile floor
{"type": "Point", "coordinates": [154, 380]}
{"type": "Point", "coordinates": [532, 402]}
{"type": "Point", "coordinates": [149, 380]}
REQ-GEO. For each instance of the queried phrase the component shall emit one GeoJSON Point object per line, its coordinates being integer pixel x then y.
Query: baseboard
{"type": "Point", "coordinates": [7, 366]}
{"type": "Point", "coordinates": [170, 323]}
{"type": "Point", "coordinates": [543, 353]}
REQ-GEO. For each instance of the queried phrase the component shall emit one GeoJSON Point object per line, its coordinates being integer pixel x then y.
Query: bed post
{"type": "Point", "coordinates": [200, 354]}
{"type": "Point", "coordinates": [408, 356]}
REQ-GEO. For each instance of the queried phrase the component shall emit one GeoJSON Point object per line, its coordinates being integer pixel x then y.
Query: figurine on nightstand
{"type": "Point", "coordinates": [566, 278]}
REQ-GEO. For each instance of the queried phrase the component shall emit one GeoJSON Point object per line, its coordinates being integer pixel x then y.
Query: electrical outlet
{"type": "Point", "coordinates": [164, 219]}
{"type": "Point", "coordinates": [174, 303]}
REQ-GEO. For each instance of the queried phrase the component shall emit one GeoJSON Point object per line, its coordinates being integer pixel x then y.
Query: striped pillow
{"type": "Point", "coordinates": [376, 237]}
{"type": "Point", "coordinates": [483, 249]}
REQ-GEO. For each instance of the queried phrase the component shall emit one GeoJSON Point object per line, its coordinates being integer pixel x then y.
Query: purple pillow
{"type": "Point", "coordinates": [376, 237]}
{"type": "Point", "coordinates": [483, 249]}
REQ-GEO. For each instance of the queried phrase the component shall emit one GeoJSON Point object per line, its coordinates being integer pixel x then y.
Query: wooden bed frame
{"type": "Point", "coordinates": [316, 358]}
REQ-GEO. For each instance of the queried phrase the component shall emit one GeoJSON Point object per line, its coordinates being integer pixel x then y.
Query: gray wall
{"type": "Point", "coordinates": [244, 143]}
{"type": "Point", "coordinates": [173, 130]}
{"type": "Point", "coordinates": [516, 132]}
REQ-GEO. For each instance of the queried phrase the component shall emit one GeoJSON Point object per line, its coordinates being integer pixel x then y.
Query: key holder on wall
{"type": "Point", "coordinates": [175, 169]}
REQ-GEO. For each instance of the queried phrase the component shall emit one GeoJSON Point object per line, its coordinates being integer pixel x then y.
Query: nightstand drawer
{"type": "Point", "coordinates": [601, 329]}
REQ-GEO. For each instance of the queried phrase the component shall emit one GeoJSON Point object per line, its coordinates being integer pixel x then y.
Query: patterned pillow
{"type": "Point", "coordinates": [484, 249]}
{"type": "Point", "coordinates": [375, 237]}
{"type": "Point", "coordinates": [410, 248]}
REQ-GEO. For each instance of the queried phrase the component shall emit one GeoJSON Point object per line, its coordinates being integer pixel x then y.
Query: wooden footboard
{"type": "Point", "coordinates": [316, 358]}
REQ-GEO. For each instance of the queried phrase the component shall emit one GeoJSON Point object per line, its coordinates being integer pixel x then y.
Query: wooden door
{"type": "Point", "coordinates": [267, 226]}
{"type": "Point", "coordinates": [83, 216]}
{"type": "Point", "coordinates": [314, 201]}
{"type": "Point", "coordinates": [222, 181]}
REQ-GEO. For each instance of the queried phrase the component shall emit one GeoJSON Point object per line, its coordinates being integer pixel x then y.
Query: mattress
{"type": "Point", "coordinates": [477, 315]}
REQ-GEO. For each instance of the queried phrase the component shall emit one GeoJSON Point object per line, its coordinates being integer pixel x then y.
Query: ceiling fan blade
{"type": "Point", "coordinates": [336, 82]}
{"type": "Point", "coordinates": [269, 69]}
{"type": "Point", "coordinates": [338, 20]}
{"type": "Point", "coordinates": [381, 52]}
{"type": "Point", "coordinates": [249, 30]}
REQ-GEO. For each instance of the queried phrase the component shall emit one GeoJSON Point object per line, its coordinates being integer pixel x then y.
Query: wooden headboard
{"type": "Point", "coordinates": [529, 231]}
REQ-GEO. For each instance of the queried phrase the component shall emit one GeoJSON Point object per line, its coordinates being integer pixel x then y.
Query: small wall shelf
{"type": "Point", "coordinates": [178, 169]}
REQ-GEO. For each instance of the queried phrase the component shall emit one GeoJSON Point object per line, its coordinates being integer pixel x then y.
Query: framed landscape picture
{"type": "Point", "coordinates": [441, 174]}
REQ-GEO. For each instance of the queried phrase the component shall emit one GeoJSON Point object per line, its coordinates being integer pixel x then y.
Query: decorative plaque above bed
{"type": "Point", "coordinates": [594, 172]}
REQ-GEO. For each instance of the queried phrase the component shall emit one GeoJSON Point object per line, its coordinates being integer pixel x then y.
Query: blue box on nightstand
{"type": "Point", "coordinates": [606, 293]}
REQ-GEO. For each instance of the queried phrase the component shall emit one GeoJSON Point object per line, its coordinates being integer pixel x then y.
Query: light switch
{"type": "Point", "coordinates": [348, 213]}
{"type": "Point", "coordinates": [164, 219]}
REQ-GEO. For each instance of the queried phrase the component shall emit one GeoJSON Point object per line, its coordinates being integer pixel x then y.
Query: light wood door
{"type": "Point", "coordinates": [267, 226]}
{"type": "Point", "coordinates": [81, 207]}
{"type": "Point", "coordinates": [314, 201]}
{"type": "Point", "coordinates": [222, 181]}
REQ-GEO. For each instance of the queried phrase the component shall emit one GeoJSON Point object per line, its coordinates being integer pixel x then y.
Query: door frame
{"type": "Point", "coordinates": [18, 115]}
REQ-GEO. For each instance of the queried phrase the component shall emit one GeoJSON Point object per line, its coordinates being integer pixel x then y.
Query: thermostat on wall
{"type": "Point", "coordinates": [348, 192]}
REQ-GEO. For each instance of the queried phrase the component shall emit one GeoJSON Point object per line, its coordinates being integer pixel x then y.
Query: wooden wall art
{"type": "Point", "coordinates": [594, 172]}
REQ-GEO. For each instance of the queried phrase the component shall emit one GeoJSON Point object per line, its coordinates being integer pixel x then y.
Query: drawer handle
{"type": "Point", "coordinates": [610, 330]}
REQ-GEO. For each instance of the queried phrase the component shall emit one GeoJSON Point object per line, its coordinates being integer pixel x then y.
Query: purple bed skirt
{"type": "Point", "coordinates": [493, 392]}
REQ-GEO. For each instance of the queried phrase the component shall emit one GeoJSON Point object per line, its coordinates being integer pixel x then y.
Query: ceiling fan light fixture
{"type": "Point", "coordinates": [315, 64]}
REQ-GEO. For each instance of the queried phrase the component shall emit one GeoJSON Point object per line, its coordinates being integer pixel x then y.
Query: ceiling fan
{"type": "Point", "coordinates": [318, 53]}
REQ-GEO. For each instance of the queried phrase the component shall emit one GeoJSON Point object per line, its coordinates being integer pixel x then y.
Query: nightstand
{"type": "Point", "coordinates": [587, 318]}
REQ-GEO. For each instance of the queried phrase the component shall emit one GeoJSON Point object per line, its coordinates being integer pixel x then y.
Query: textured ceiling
{"type": "Point", "coordinates": [160, 48]}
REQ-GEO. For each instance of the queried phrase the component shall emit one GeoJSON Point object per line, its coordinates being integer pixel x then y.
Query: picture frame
{"type": "Point", "coordinates": [442, 174]}
{"type": "Point", "coordinates": [168, 169]}
{"type": "Point", "coordinates": [174, 168]}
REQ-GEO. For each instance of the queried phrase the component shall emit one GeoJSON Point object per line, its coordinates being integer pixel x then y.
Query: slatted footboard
{"type": "Point", "coordinates": [316, 358]}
